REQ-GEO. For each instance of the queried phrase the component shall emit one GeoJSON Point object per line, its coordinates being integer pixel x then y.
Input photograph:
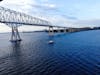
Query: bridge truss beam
{"type": "Point", "coordinates": [7, 15]}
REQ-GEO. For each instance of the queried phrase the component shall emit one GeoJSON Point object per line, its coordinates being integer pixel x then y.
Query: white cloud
{"type": "Point", "coordinates": [50, 5]}
{"type": "Point", "coordinates": [89, 22]}
{"type": "Point", "coordinates": [44, 0]}
{"type": "Point", "coordinates": [27, 6]}
{"type": "Point", "coordinates": [18, 5]}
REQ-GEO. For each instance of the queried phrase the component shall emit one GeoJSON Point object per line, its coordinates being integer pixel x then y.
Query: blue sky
{"type": "Point", "coordinates": [69, 13]}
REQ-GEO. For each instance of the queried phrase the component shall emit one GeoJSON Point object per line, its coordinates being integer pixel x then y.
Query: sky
{"type": "Point", "coordinates": [69, 13]}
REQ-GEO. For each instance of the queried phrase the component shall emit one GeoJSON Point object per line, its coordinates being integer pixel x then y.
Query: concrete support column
{"type": "Point", "coordinates": [51, 31]}
{"type": "Point", "coordinates": [64, 30]}
{"type": "Point", "coordinates": [59, 29]}
{"type": "Point", "coordinates": [69, 30]}
{"type": "Point", "coordinates": [15, 34]}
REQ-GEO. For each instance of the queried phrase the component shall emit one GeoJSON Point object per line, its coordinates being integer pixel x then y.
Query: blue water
{"type": "Point", "coordinates": [71, 54]}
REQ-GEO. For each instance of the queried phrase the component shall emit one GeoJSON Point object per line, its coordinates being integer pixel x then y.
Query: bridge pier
{"type": "Point", "coordinates": [15, 34]}
{"type": "Point", "coordinates": [64, 30]}
{"type": "Point", "coordinates": [51, 31]}
{"type": "Point", "coordinates": [59, 30]}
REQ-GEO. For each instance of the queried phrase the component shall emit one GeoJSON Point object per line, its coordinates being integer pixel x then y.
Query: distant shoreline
{"type": "Point", "coordinates": [23, 32]}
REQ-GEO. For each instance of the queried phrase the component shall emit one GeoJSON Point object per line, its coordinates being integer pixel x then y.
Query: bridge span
{"type": "Point", "coordinates": [15, 19]}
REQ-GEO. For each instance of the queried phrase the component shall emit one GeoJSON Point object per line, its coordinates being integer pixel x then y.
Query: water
{"type": "Point", "coordinates": [71, 54]}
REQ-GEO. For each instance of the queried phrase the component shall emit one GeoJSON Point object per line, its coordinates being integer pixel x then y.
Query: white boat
{"type": "Point", "coordinates": [51, 42]}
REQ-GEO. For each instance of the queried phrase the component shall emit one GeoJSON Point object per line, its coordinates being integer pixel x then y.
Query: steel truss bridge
{"type": "Point", "coordinates": [15, 19]}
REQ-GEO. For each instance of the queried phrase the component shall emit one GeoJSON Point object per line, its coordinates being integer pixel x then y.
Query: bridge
{"type": "Point", "coordinates": [15, 19]}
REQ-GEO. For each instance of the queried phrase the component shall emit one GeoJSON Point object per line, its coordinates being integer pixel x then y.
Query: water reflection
{"type": "Point", "coordinates": [16, 49]}
{"type": "Point", "coordinates": [15, 59]}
